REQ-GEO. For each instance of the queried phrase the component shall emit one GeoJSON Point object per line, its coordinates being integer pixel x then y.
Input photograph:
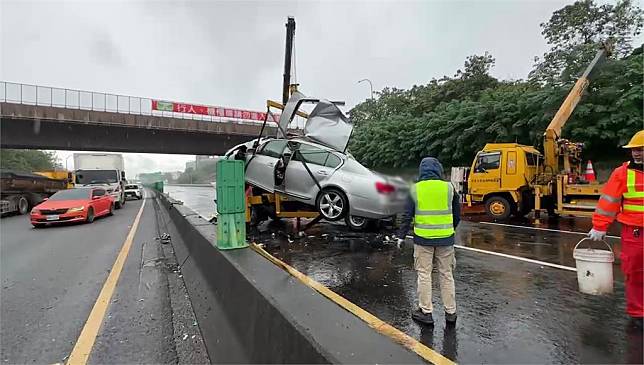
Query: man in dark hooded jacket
{"type": "Point", "coordinates": [434, 207]}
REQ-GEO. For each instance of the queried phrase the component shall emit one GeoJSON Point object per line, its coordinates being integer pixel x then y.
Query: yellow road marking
{"type": "Point", "coordinates": [374, 322]}
{"type": "Point", "coordinates": [85, 342]}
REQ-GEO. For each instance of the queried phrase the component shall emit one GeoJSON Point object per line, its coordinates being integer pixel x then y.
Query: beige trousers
{"type": "Point", "coordinates": [424, 257]}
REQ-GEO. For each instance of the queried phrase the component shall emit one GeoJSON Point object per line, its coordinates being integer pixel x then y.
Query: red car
{"type": "Point", "coordinates": [73, 205]}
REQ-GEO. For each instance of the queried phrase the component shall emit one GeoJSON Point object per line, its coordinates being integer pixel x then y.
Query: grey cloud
{"type": "Point", "coordinates": [104, 50]}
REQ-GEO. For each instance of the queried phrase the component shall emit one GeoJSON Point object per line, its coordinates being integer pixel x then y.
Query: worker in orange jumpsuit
{"type": "Point", "coordinates": [623, 199]}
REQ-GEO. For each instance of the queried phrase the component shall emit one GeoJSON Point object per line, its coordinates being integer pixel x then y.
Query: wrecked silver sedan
{"type": "Point", "coordinates": [315, 168]}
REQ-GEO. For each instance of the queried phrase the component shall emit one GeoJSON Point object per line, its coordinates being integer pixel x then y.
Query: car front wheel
{"type": "Point", "coordinates": [90, 215]}
{"type": "Point", "coordinates": [332, 204]}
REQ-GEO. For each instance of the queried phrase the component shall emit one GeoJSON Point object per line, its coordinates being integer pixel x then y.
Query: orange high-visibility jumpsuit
{"type": "Point", "coordinates": [623, 199]}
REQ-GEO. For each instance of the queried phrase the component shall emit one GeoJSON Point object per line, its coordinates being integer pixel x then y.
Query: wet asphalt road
{"type": "Point", "coordinates": [509, 311]}
{"type": "Point", "coordinates": [51, 278]}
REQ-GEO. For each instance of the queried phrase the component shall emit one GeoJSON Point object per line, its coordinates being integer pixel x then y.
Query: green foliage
{"type": "Point", "coordinates": [453, 117]}
{"type": "Point", "coordinates": [453, 129]}
{"type": "Point", "coordinates": [27, 160]}
{"type": "Point", "coordinates": [574, 32]}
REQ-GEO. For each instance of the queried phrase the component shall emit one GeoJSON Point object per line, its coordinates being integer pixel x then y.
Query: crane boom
{"type": "Point", "coordinates": [553, 131]}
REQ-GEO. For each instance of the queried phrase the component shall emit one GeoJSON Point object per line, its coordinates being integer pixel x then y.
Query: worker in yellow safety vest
{"type": "Point", "coordinates": [434, 207]}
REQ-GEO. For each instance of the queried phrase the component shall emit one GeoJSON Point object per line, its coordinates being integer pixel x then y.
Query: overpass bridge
{"type": "Point", "coordinates": [39, 117]}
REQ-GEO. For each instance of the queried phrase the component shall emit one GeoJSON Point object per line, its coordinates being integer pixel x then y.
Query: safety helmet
{"type": "Point", "coordinates": [636, 141]}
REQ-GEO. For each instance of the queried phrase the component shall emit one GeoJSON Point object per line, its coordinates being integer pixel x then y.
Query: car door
{"type": "Point", "coordinates": [321, 163]}
{"type": "Point", "coordinates": [99, 204]}
{"type": "Point", "coordinates": [260, 168]}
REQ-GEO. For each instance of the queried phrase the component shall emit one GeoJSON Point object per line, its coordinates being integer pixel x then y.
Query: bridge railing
{"type": "Point", "coordinates": [27, 94]}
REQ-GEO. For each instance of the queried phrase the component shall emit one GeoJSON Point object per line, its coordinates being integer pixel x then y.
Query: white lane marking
{"type": "Point", "coordinates": [542, 263]}
{"type": "Point", "coordinates": [539, 229]}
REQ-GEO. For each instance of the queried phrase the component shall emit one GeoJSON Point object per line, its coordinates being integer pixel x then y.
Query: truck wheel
{"type": "Point", "coordinates": [356, 223]}
{"type": "Point", "coordinates": [23, 205]}
{"type": "Point", "coordinates": [120, 203]}
{"type": "Point", "coordinates": [498, 207]}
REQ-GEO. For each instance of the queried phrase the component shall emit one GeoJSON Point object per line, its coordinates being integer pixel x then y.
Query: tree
{"type": "Point", "coordinates": [574, 33]}
{"type": "Point", "coordinates": [27, 160]}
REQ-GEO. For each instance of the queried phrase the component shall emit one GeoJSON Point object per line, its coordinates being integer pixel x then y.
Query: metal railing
{"type": "Point", "coordinates": [26, 94]}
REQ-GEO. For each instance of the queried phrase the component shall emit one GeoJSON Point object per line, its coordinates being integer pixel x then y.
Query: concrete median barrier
{"type": "Point", "coordinates": [251, 311]}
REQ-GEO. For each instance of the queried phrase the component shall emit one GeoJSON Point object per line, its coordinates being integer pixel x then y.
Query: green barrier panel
{"type": "Point", "coordinates": [231, 231]}
{"type": "Point", "coordinates": [230, 187]}
{"type": "Point", "coordinates": [158, 186]}
{"type": "Point", "coordinates": [231, 205]}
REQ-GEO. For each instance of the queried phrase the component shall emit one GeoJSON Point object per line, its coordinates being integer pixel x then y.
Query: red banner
{"type": "Point", "coordinates": [214, 111]}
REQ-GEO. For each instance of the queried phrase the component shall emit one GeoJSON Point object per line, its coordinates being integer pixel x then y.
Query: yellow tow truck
{"type": "Point", "coordinates": [510, 178]}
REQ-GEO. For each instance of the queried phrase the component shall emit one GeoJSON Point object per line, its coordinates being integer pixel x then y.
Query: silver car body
{"type": "Point", "coordinates": [323, 147]}
{"type": "Point", "coordinates": [331, 169]}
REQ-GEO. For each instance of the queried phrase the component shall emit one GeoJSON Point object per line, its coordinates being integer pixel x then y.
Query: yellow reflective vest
{"type": "Point", "coordinates": [433, 217]}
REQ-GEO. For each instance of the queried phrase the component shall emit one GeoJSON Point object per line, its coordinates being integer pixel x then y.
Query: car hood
{"type": "Point", "coordinates": [60, 204]}
{"type": "Point", "coordinates": [326, 124]}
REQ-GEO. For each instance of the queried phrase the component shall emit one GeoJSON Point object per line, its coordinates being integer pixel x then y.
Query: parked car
{"type": "Point", "coordinates": [73, 205]}
{"type": "Point", "coordinates": [133, 191]}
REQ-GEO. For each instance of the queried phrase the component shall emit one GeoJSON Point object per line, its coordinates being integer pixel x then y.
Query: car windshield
{"type": "Point", "coordinates": [96, 176]}
{"type": "Point", "coordinates": [71, 194]}
{"type": "Point", "coordinates": [131, 187]}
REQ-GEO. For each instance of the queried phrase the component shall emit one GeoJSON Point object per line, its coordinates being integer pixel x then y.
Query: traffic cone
{"type": "Point", "coordinates": [590, 172]}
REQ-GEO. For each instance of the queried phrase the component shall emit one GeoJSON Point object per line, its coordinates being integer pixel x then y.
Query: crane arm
{"type": "Point", "coordinates": [553, 131]}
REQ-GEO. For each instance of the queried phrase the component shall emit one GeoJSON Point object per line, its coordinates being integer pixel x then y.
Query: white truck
{"type": "Point", "coordinates": [102, 169]}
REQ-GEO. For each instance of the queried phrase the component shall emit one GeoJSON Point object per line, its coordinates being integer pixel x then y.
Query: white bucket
{"type": "Point", "coordinates": [594, 269]}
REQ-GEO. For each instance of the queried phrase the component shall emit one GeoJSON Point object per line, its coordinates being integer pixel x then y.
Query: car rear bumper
{"type": "Point", "coordinates": [380, 208]}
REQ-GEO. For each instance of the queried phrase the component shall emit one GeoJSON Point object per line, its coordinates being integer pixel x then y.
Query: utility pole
{"type": "Point", "coordinates": [288, 56]}
{"type": "Point", "coordinates": [370, 86]}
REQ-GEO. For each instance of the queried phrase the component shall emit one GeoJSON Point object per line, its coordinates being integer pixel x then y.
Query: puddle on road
{"type": "Point", "coordinates": [509, 311]}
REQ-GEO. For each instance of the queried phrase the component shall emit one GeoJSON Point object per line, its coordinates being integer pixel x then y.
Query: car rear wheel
{"type": "Point", "coordinates": [23, 205]}
{"type": "Point", "coordinates": [332, 204]}
{"type": "Point", "coordinates": [111, 212]}
{"type": "Point", "coordinates": [356, 223]}
{"type": "Point", "coordinates": [38, 225]}
{"type": "Point", "coordinates": [90, 215]}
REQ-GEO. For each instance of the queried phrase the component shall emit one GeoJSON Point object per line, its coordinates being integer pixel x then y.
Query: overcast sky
{"type": "Point", "coordinates": [230, 53]}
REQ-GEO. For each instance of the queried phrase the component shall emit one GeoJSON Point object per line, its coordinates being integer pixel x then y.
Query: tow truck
{"type": "Point", "coordinates": [510, 178]}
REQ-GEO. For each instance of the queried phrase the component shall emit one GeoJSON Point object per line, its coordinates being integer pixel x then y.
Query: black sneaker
{"type": "Point", "coordinates": [450, 318]}
{"type": "Point", "coordinates": [637, 323]}
{"type": "Point", "coordinates": [424, 318]}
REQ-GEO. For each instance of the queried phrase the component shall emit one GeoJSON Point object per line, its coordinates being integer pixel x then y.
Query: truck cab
{"type": "Point", "coordinates": [500, 177]}
{"type": "Point", "coordinates": [105, 170]}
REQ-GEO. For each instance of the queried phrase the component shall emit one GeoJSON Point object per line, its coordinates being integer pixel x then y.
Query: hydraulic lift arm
{"type": "Point", "coordinates": [553, 131]}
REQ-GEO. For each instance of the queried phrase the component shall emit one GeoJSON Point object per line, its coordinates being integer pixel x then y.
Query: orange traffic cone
{"type": "Point", "coordinates": [590, 172]}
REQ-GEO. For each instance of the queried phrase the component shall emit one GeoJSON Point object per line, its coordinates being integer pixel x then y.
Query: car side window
{"type": "Point", "coordinates": [333, 161]}
{"type": "Point", "coordinates": [488, 161]}
{"type": "Point", "coordinates": [273, 148]}
{"type": "Point", "coordinates": [312, 154]}
{"type": "Point", "coordinates": [98, 192]}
